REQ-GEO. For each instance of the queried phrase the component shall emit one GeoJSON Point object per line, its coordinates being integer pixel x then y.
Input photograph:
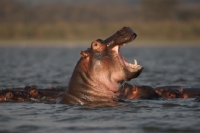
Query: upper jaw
{"type": "Point", "coordinates": [125, 35]}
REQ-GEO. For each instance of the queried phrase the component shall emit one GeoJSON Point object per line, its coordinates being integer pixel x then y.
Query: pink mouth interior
{"type": "Point", "coordinates": [117, 50]}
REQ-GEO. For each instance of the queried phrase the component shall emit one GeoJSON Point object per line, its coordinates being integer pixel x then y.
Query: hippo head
{"type": "Point", "coordinates": [15, 96]}
{"type": "Point", "coordinates": [105, 60]}
{"type": "Point", "coordinates": [102, 69]}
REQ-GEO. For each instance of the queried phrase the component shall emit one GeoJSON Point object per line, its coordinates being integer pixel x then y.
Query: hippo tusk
{"type": "Point", "coordinates": [135, 62]}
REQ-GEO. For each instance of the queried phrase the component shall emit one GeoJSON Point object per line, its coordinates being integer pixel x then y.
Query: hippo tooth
{"type": "Point", "coordinates": [131, 65]}
{"type": "Point", "coordinates": [135, 62]}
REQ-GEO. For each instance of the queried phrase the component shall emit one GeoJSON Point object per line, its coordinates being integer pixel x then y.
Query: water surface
{"type": "Point", "coordinates": [52, 66]}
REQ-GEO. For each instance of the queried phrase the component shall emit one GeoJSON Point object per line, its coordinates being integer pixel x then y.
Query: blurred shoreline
{"type": "Point", "coordinates": [78, 23]}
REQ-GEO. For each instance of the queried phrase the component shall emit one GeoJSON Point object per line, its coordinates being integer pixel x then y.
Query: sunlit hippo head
{"type": "Point", "coordinates": [101, 70]}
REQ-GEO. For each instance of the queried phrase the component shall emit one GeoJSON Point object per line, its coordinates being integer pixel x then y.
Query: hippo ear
{"type": "Point", "coordinates": [84, 54]}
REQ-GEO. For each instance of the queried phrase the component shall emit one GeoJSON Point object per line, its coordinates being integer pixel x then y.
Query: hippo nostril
{"type": "Point", "coordinates": [9, 95]}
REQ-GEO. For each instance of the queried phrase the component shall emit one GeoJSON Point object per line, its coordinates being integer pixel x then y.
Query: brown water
{"type": "Point", "coordinates": [47, 67]}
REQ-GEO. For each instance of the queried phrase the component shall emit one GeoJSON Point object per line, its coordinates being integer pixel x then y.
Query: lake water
{"type": "Point", "coordinates": [53, 66]}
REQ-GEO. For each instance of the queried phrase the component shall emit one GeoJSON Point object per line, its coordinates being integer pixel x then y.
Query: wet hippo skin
{"type": "Point", "coordinates": [100, 71]}
{"type": "Point", "coordinates": [134, 92]}
{"type": "Point", "coordinates": [29, 93]}
{"type": "Point", "coordinates": [17, 96]}
{"type": "Point", "coordinates": [178, 92]}
{"type": "Point", "coordinates": [43, 93]}
{"type": "Point", "coordinates": [168, 93]}
{"type": "Point", "coordinates": [192, 92]}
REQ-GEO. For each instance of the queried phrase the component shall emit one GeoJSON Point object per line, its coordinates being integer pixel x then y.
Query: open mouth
{"type": "Point", "coordinates": [119, 39]}
{"type": "Point", "coordinates": [132, 67]}
{"type": "Point", "coordinates": [132, 70]}
{"type": "Point", "coordinates": [115, 42]}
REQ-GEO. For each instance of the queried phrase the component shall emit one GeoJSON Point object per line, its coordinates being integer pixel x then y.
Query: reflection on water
{"type": "Point", "coordinates": [46, 67]}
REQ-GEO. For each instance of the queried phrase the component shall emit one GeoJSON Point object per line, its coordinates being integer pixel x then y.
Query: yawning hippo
{"type": "Point", "coordinates": [101, 70]}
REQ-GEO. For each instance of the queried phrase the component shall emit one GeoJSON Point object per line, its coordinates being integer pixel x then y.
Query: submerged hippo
{"type": "Point", "coordinates": [101, 70]}
{"type": "Point", "coordinates": [178, 92]}
{"type": "Point", "coordinates": [192, 92]}
{"type": "Point", "coordinates": [168, 93]}
{"type": "Point", "coordinates": [134, 92]}
{"type": "Point", "coordinates": [13, 95]}
{"type": "Point", "coordinates": [29, 93]}
{"type": "Point", "coordinates": [35, 93]}
{"type": "Point", "coordinates": [18, 96]}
